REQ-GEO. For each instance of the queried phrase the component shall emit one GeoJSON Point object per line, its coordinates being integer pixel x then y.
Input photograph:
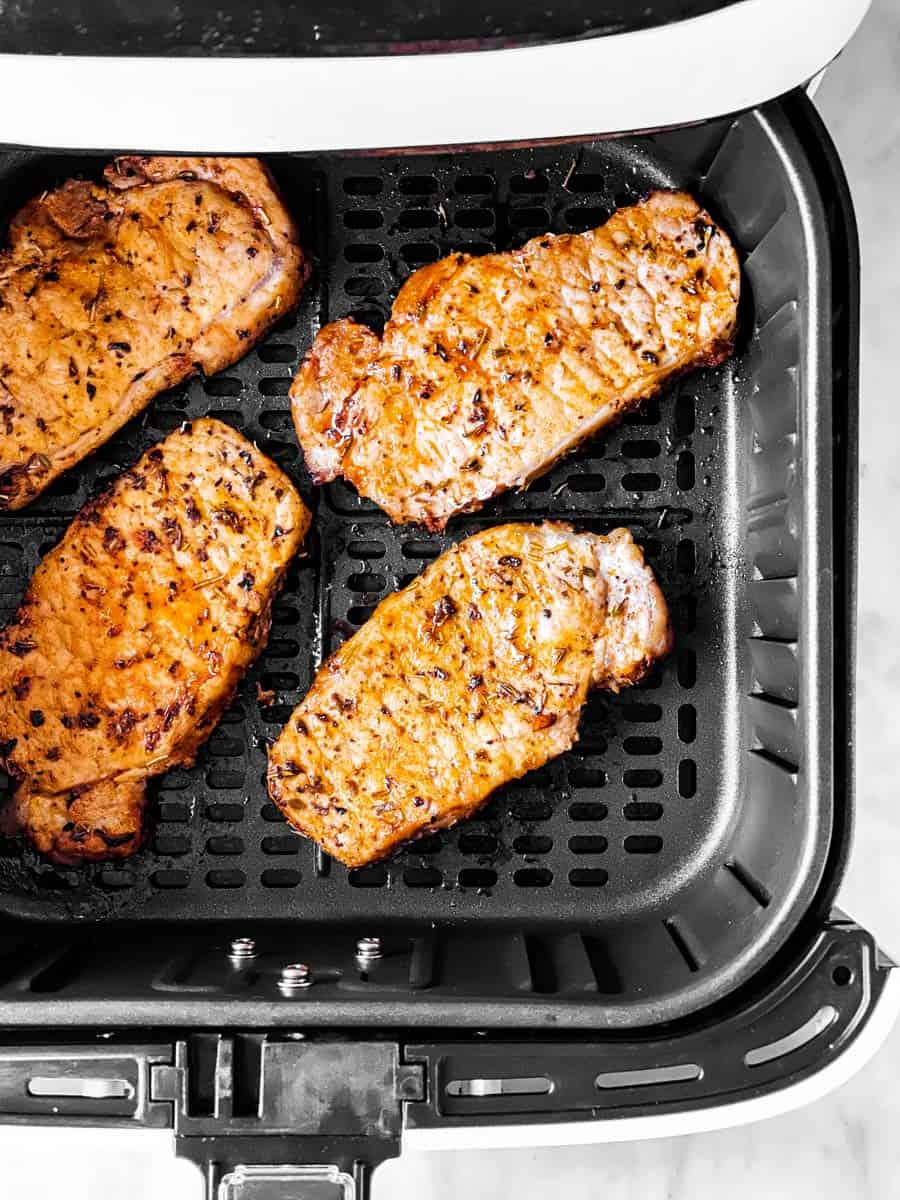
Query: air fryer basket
{"type": "Point", "coordinates": [664, 860]}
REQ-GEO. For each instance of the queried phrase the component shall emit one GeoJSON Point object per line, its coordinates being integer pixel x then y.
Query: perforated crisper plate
{"type": "Point", "coordinates": [682, 815]}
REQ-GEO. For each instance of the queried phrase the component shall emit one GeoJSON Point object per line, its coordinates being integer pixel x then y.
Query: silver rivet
{"type": "Point", "coordinates": [243, 950]}
{"type": "Point", "coordinates": [368, 951]}
{"type": "Point", "coordinates": [295, 976]}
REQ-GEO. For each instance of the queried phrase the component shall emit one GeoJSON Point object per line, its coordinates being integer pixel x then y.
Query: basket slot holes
{"type": "Point", "coordinates": [587, 777]}
{"type": "Point", "coordinates": [533, 877]}
{"type": "Point", "coordinates": [796, 1040]}
{"type": "Point", "coordinates": [368, 877]}
{"type": "Point", "coordinates": [417, 185]}
{"type": "Point", "coordinates": [687, 778]}
{"type": "Point", "coordinates": [687, 723]}
{"type": "Point", "coordinates": [588, 844]}
{"type": "Point", "coordinates": [639, 714]}
{"type": "Point", "coordinates": [363, 218]}
{"type": "Point", "coordinates": [170, 879]}
{"type": "Point", "coordinates": [642, 448]}
{"type": "Point", "coordinates": [281, 844]}
{"type": "Point", "coordinates": [474, 218]}
{"type": "Point", "coordinates": [280, 877]}
{"type": "Point", "coordinates": [684, 471]}
{"type": "Point", "coordinates": [590, 481]}
{"type": "Point", "coordinates": [363, 252]}
{"type": "Point", "coordinates": [687, 667]}
{"type": "Point", "coordinates": [225, 844]}
{"type": "Point", "coordinates": [423, 550]}
{"type": "Point", "coordinates": [643, 843]}
{"type": "Point", "coordinates": [172, 813]}
{"type": "Point", "coordinates": [115, 880]}
{"type": "Point", "coordinates": [375, 318]}
{"type": "Point", "coordinates": [647, 414]}
{"type": "Point", "coordinates": [423, 877]}
{"type": "Point", "coordinates": [530, 808]}
{"type": "Point", "coordinates": [272, 813]}
{"type": "Point", "coordinates": [642, 746]}
{"type": "Point", "coordinates": [171, 844]}
{"type": "Point", "coordinates": [582, 811]}
{"type": "Point", "coordinates": [360, 613]}
{"type": "Point", "coordinates": [474, 185]}
{"type": "Point", "coordinates": [643, 810]}
{"type": "Point", "coordinates": [280, 647]}
{"type": "Point", "coordinates": [532, 217]}
{"type": "Point", "coordinates": [276, 422]}
{"type": "Point", "coordinates": [221, 745]}
{"type": "Point", "coordinates": [685, 613]}
{"type": "Point", "coordinates": [533, 843]}
{"type": "Point", "coordinates": [280, 681]}
{"type": "Point", "coordinates": [685, 416]}
{"type": "Point", "coordinates": [478, 843]}
{"type": "Point", "coordinates": [366, 581]}
{"type": "Point", "coordinates": [417, 254]}
{"type": "Point", "coordinates": [222, 781]}
{"type": "Point", "coordinates": [366, 550]}
{"type": "Point", "coordinates": [582, 217]}
{"type": "Point", "coordinates": [285, 614]}
{"type": "Point", "coordinates": [482, 247]}
{"type": "Point", "coordinates": [586, 181]}
{"type": "Point", "coordinates": [418, 218]}
{"type": "Point", "coordinates": [222, 385]}
{"type": "Point", "coordinates": [363, 185]}
{"type": "Point", "coordinates": [529, 182]}
{"type": "Point", "coordinates": [686, 558]}
{"type": "Point", "coordinates": [367, 286]}
{"type": "Point", "coordinates": [477, 877]}
{"type": "Point", "coordinates": [225, 813]}
{"type": "Point", "coordinates": [279, 352]}
{"type": "Point", "coordinates": [432, 843]}
{"type": "Point", "coordinates": [232, 878]}
{"type": "Point", "coordinates": [641, 481]}
{"type": "Point", "coordinates": [588, 877]}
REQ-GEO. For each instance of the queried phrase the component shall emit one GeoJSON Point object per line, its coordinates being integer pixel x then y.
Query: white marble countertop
{"type": "Point", "coordinates": [845, 1147]}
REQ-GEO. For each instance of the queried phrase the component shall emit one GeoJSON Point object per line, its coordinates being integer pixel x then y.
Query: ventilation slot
{"type": "Point", "coordinates": [648, 1076]}
{"type": "Point", "coordinates": [82, 1089]}
{"type": "Point", "coordinates": [811, 1029]}
{"type": "Point", "coordinates": [533, 1085]}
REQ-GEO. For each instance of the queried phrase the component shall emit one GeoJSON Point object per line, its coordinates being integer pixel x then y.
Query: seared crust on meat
{"type": "Point", "coordinates": [490, 368]}
{"type": "Point", "coordinates": [111, 294]}
{"type": "Point", "coordinates": [466, 679]}
{"type": "Point", "coordinates": [135, 631]}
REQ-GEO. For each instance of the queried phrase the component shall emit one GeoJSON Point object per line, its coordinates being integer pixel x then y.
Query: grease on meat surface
{"type": "Point", "coordinates": [491, 368]}
{"type": "Point", "coordinates": [111, 294]}
{"type": "Point", "coordinates": [135, 631]}
{"type": "Point", "coordinates": [469, 677]}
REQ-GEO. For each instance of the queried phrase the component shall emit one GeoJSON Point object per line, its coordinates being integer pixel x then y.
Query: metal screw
{"type": "Point", "coordinates": [243, 950]}
{"type": "Point", "coordinates": [294, 977]}
{"type": "Point", "coordinates": [368, 952]}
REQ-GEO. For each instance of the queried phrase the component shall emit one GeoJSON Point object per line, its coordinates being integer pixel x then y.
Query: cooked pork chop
{"type": "Point", "coordinates": [135, 631]}
{"type": "Point", "coordinates": [466, 679]}
{"type": "Point", "coordinates": [110, 294]}
{"type": "Point", "coordinates": [491, 368]}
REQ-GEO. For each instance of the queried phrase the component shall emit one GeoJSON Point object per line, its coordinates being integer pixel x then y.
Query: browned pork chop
{"type": "Point", "coordinates": [110, 294]}
{"type": "Point", "coordinates": [491, 368]}
{"type": "Point", "coordinates": [466, 679]}
{"type": "Point", "coordinates": [135, 631]}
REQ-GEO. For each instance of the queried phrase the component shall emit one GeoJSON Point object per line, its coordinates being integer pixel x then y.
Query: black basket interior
{"type": "Point", "coordinates": [644, 842]}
